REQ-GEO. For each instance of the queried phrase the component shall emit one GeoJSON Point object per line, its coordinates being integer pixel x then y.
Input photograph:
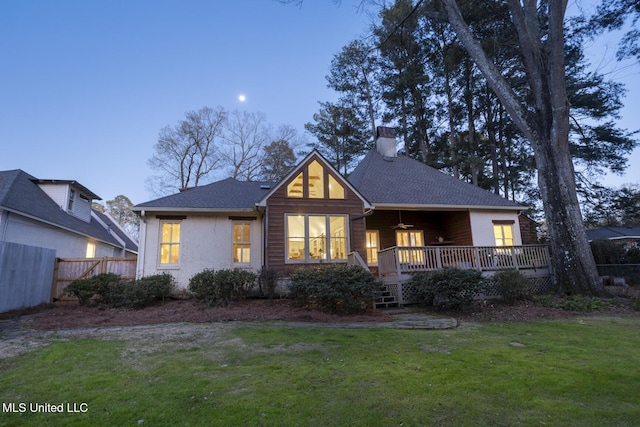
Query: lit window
{"type": "Point", "coordinates": [316, 237]}
{"type": "Point", "coordinates": [336, 191]}
{"type": "Point", "coordinates": [91, 250]}
{"type": "Point", "coordinates": [503, 234]}
{"type": "Point", "coordinates": [372, 247]}
{"type": "Point", "coordinates": [170, 243]}
{"type": "Point", "coordinates": [294, 189]}
{"type": "Point", "coordinates": [409, 238]}
{"type": "Point", "coordinates": [316, 180]}
{"type": "Point", "coordinates": [241, 242]}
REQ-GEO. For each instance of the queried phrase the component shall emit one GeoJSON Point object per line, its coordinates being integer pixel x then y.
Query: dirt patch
{"type": "Point", "coordinates": [54, 317]}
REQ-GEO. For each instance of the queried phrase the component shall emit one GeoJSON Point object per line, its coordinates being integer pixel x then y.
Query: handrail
{"type": "Point", "coordinates": [400, 260]}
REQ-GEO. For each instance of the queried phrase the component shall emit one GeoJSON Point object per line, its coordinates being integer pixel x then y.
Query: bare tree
{"type": "Point", "coordinates": [186, 153]}
{"type": "Point", "coordinates": [246, 134]}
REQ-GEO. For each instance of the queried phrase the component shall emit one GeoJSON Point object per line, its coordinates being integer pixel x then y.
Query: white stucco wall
{"type": "Point", "coordinates": [205, 243]}
{"type": "Point", "coordinates": [482, 226]}
{"type": "Point", "coordinates": [25, 231]}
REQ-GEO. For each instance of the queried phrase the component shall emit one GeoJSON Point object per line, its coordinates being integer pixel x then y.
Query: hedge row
{"type": "Point", "coordinates": [111, 290]}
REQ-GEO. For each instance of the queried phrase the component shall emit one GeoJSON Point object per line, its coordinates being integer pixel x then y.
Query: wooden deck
{"type": "Point", "coordinates": [396, 264]}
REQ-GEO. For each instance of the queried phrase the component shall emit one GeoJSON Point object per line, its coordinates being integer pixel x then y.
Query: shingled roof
{"type": "Point", "coordinates": [225, 195]}
{"type": "Point", "coordinates": [19, 193]}
{"type": "Point", "coordinates": [398, 182]}
{"type": "Point", "coordinates": [613, 233]}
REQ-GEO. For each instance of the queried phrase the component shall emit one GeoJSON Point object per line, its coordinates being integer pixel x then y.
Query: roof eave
{"type": "Point", "coordinates": [193, 210]}
{"type": "Point", "coordinates": [418, 207]}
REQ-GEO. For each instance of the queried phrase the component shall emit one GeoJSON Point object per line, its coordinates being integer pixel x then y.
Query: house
{"type": "Point", "coordinates": [57, 214]}
{"type": "Point", "coordinates": [394, 215]}
{"type": "Point", "coordinates": [629, 237]}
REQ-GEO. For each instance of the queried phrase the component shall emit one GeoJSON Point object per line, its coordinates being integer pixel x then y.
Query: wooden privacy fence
{"type": "Point", "coordinates": [69, 269]}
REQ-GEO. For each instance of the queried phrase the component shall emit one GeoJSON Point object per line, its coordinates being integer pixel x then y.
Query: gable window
{"type": "Point", "coordinates": [316, 237]}
{"type": "Point", "coordinates": [170, 243]}
{"type": "Point", "coordinates": [241, 242]}
{"type": "Point", "coordinates": [336, 191]}
{"type": "Point", "coordinates": [503, 233]}
{"type": "Point", "coordinates": [295, 187]}
{"type": "Point", "coordinates": [373, 245]}
{"type": "Point", "coordinates": [316, 180]}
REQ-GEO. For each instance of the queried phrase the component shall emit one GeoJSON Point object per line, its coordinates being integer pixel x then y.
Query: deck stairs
{"type": "Point", "coordinates": [385, 298]}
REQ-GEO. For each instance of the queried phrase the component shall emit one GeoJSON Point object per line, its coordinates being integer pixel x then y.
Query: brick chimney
{"type": "Point", "coordinates": [386, 141]}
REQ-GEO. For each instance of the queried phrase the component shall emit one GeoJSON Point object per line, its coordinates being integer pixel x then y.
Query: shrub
{"type": "Point", "coordinates": [448, 288]}
{"type": "Point", "coordinates": [512, 285]}
{"type": "Point", "coordinates": [580, 303]}
{"type": "Point", "coordinates": [111, 290]}
{"type": "Point", "coordinates": [338, 288]}
{"type": "Point", "coordinates": [222, 286]}
{"type": "Point", "coordinates": [97, 286]}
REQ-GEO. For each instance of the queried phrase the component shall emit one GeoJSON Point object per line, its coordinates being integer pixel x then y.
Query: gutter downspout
{"type": "Point", "coordinates": [141, 245]}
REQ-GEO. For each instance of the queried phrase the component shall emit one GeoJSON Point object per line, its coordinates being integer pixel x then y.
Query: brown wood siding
{"type": "Point", "coordinates": [278, 204]}
{"type": "Point", "coordinates": [454, 227]}
{"type": "Point", "coordinates": [458, 228]}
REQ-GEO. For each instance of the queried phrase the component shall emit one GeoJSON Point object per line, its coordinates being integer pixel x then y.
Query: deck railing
{"type": "Point", "coordinates": [404, 260]}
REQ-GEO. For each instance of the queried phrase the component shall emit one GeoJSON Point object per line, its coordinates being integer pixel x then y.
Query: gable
{"type": "Point", "coordinates": [314, 179]}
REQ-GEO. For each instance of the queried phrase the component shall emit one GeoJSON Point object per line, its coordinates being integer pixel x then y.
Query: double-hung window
{"type": "Point", "coordinates": [503, 233]}
{"type": "Point", "coordinates": [312, 238]}
{"type": "Point", "coordinates": [170, 243]}
{"type": "Point", "coordinates": [241, 242]}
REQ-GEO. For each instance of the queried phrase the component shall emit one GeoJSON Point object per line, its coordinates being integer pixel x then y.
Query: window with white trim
{"type": "Point", "coordinates": [169, 243]}
{"type": "Point", "coordinates": [312, 238]}
{"type": "Point", "coordinates": [373, 246]}
{"type": "Point", "coordinates": [503, 233]}
{"type": "Point", "coordinates": [91, 250]}
{"type": "Point", "coordinates": [241, 242]}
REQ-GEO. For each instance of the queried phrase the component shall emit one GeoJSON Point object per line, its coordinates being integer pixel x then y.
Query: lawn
{"type": "Point", "coordinates": [577, 372]}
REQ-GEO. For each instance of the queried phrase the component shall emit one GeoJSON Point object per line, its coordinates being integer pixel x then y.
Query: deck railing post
{"type": "Point", "coordinates": [438, 258]}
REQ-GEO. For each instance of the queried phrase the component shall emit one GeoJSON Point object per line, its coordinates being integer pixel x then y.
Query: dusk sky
{"type": "Point", "coordinates": [85, 86]}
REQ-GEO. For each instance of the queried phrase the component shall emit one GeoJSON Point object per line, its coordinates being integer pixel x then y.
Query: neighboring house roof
{"type": "Point", "coordinates": [402, 182]}
{"type": "Point", "coordinates": [20, 194]}
{"type": "Point", "coordinates": [225, 195]}
{"type": "Point", "coordinates": [613, 233]}
{"type": "Point", "coordinates": [116, 229]}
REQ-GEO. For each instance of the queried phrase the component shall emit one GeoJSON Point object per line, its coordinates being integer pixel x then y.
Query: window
{"type": "Point", "coordinates": [503, 233]}
{"type": "Point", "coordinates": [373, 245]}
{"type": "Point", "coordinates": [170, 243]}
{"type": "Point", "coordinates": [316, 186]}
{"type": "Point", "coordinates": [336, 191]}
{"type": "Point", "coordinates": [316, 180]}
{"type": "Point", "coordinates": [72, 199]}
{"type": "Point", "coordinates": [241, 242]}
{"type": "Point", "coordinates": [409, 238]}
{"type": "Point", "coordinates": [316, 237]}
{"type": "Point", "coordinates": [91, 250]}
{"type": "Point", "coordinates": [294, 189]}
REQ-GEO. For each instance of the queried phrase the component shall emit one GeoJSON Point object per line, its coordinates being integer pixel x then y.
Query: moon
{"type": "Point", "coordinates": [242, 98]}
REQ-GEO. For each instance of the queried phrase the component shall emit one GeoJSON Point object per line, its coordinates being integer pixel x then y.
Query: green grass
{"type": "Point", "coordinates": [560, 373]}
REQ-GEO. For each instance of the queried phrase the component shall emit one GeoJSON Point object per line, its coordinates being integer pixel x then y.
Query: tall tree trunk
{"type": "Point", "coordinates": [547, 129]}
{"type": "Point", "coordinates": [452, 125]}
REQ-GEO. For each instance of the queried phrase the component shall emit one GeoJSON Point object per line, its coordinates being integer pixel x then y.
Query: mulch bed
{"type": "Point", "coordinates": [69, 315]}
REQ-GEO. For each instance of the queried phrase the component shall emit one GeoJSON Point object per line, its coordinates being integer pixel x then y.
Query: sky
{"type": "Point", "coordinates": [85, 86]}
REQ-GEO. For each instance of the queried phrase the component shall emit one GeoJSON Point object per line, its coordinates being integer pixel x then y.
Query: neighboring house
{"type": "Point", "coordinates": [626, 236]}
{"type": "Point", "coordinates": [391, 206]}
{"type": "Point", "coordinates": [57, 214]}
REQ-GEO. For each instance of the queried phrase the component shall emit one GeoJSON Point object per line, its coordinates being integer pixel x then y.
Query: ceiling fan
{"type": "Point", "coordinates": [401, 224]}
